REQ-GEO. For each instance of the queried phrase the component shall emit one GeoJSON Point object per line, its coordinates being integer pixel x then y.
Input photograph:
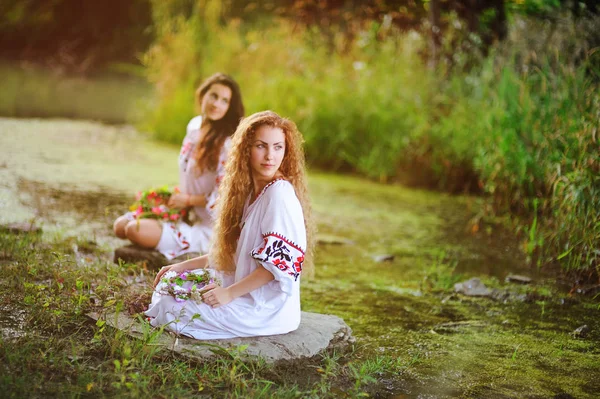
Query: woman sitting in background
{"type": "Point", "coordinates": [202, 160]}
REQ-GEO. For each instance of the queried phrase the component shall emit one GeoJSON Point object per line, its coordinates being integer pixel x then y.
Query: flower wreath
{"type": "Point", "coordinates": [185, 285]}
{"type": "Point", "coordinates": [152, 204]}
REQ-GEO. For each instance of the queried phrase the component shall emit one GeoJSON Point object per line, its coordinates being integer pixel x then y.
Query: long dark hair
{"type": "Point", "coordinates": [207, 152]}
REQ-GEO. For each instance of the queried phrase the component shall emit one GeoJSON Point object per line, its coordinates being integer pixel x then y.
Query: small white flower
{"type": "Point", "coordinates": [170, 274]}
{"type": "Point", "coordinates": [196, 297]}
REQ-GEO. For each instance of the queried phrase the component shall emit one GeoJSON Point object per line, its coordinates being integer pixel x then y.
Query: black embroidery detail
{"type": "Point", "coordinates": [281, 252]}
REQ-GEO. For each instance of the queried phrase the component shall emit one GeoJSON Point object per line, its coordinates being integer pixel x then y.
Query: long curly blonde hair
{"type": "Point", "coordinates": [238, 185]}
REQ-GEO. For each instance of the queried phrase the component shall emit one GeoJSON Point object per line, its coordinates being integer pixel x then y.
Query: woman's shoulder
{"type": "Point", "coordinates": [227, 144]}
{"type": "Point", "coordinates": [195, 123]}
{"type": "Point", "coordinates": [280, 188]}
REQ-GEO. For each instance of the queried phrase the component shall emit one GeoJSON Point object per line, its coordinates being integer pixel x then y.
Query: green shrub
{"type": "Point", "coordinates": [525, 136]}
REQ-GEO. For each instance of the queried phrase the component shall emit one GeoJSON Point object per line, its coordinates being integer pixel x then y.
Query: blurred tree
{"type": "Point", "coordinates": [73, 34]}
{"type": "Point", "coordinates": [435, 34]}
{"type": "Point", "coordinates": [482, 22]}
{"type": "Point", "coordinates": [83, 35]}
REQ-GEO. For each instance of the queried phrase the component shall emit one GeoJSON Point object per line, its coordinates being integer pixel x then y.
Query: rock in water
{"type": "Point", "coordinates": [317, 332]}
{"type": "Point", "coordinates": [581, 332]}
{"type": "Point", "coordinates": [472, 287]}
{"type": "Point", "coordinates": [515, 278]}
{"type": "Point", "coordinates": [324, 239]}
{"type": "Point", "coordinates": [383, 258]}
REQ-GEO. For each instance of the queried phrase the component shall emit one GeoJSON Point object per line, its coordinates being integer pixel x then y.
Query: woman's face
{"type": "Point", "coordinates": [215, 102]}
{"type": "Point", "coordinates": [267, 151]}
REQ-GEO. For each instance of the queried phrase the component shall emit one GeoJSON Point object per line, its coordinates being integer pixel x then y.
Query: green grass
{"type": "Point", "coordinates": [58, 351]}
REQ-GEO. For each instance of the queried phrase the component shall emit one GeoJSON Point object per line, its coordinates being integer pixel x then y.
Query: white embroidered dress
{"type": "Point", "coordinates": [179, 238]}
{"type": "Point", "coordinates": [272, 235]}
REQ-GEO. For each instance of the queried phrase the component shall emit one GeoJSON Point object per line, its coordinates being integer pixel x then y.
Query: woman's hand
{"type": "Point", "coordinates": [176, 267]}
{"type": "Point", "coordinates": [200, 262]}
{"type": "Point", "coordinates": [216, 295]}
{"type": "Point", "coordinates": [179, 201]}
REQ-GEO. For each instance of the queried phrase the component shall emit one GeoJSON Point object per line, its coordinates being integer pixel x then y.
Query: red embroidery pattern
{"type": "Point", "coordinates": [185, 148]}
{"type": "Point", "coordinates": [281, 252]}
{"type": "Point", "coordinates": [180, 238]}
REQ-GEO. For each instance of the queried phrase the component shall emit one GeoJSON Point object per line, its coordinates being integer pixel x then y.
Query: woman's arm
{"type": "Point", "coordinates": [182, 200]}
{"type": "Point", "coordinates": [191, 264]}
{"type": "Point", "coordinates": [197, 200]}
{"type": "Point", "coordinates": [218, 296]}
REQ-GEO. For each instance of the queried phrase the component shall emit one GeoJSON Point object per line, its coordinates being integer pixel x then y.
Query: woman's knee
{"type": "Point", "coordinates": [133, 230]}
{"type": "Point", "coordinates": [145, 232]}
{"type": "Point", "coordinates": [119, 226]}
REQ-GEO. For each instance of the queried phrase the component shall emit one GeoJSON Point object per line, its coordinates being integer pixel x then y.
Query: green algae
{"type": "Point", "coordinates": [75, 177]}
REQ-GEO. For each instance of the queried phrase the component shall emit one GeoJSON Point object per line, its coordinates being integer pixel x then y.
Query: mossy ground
{"type": "Point", "coordinates": [414, 336]}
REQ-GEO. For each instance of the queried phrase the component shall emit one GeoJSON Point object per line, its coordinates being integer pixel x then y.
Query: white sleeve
{"type": "Point", "coordinates": [284, 238]}
{"type": "Point", "coordinates": [194, 124]}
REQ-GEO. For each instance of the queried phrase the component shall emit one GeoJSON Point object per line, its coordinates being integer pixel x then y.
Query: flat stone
{"type": "Point", "coordinates": [383, 258]}
{"type": "Point", "coordinates": [317, 332]}
{"type": "Point", "coordinates": [325, 239]}
{"type": "Point", "coordinates": [153, 259]}
{"type": "Point", "coordinates": [472, 287]}
{"type": "Point", "coordinates": [516, 278]}
{"type": "Point", "coordinates": [581, 332]}
{"type": "Point", "coordinates": [21, 228]}
{"type": "Point", "coordinates": [456, 326]}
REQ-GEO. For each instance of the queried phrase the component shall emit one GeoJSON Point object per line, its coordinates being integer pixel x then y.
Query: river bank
{"type": "Point", "coordinates": [415, 336]}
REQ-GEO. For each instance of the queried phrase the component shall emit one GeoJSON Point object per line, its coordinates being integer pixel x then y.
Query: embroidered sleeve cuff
{"type": "Point", "coordinates": [282, 258]}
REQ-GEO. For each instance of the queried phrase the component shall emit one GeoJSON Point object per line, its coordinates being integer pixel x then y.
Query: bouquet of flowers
{"type": "Point", "coordinates": [152, 204]}
{"type": "Point", "coordinates": [185, 285]}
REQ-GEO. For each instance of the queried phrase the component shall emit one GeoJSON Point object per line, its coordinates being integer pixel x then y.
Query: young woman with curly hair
{"type": "Point", "coordinates": [262, 242]}
{"type": "Point", "coordinates": [202, 160]}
